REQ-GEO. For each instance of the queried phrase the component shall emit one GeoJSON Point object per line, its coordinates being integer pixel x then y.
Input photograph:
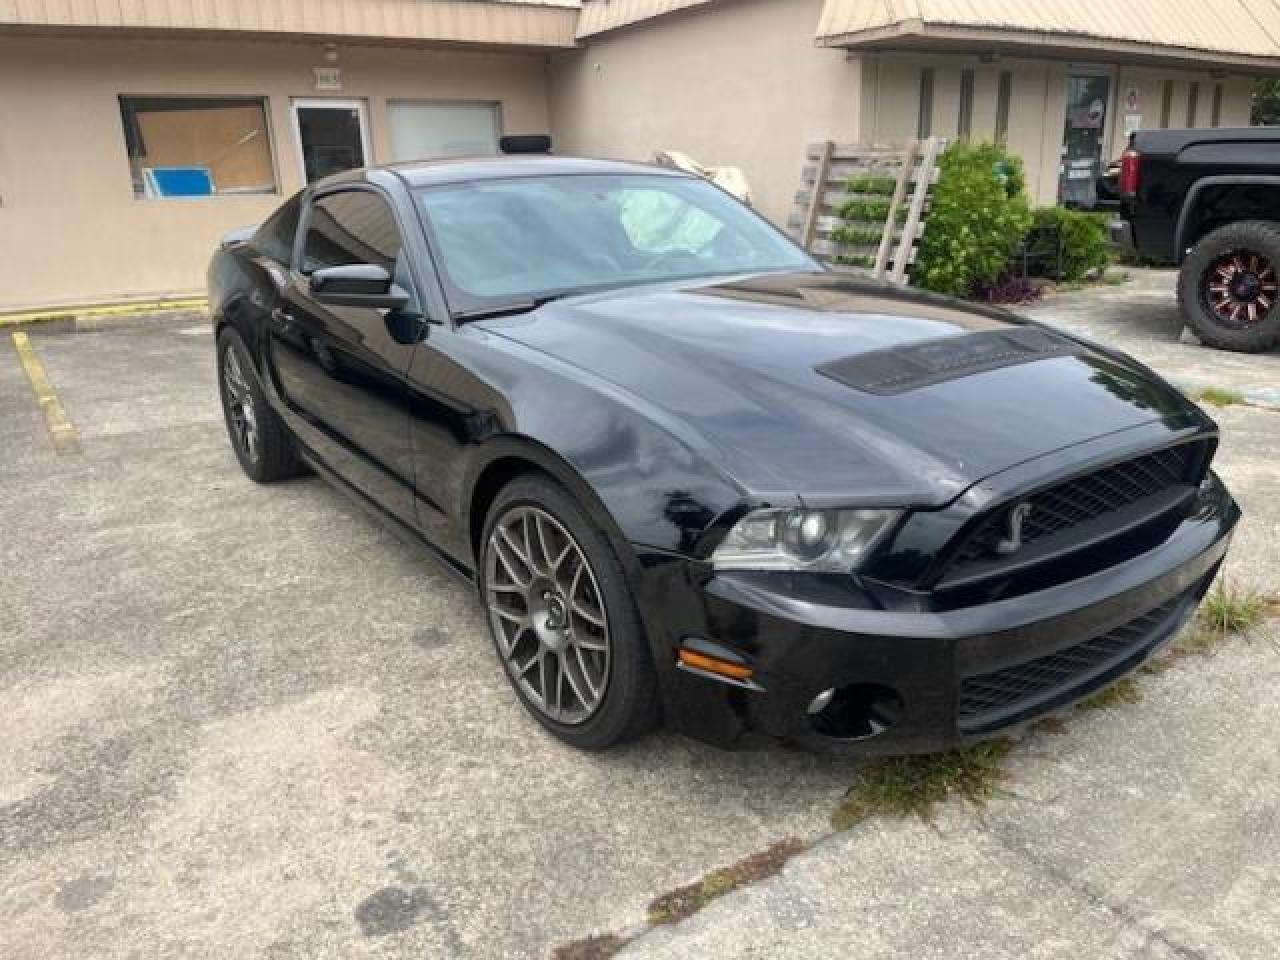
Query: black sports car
{"type": "Point", "coordinates": [695, 475]}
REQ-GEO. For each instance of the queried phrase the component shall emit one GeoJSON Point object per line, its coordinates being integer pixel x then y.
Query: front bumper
{"type": "Point", "coordinates": [957, 676]}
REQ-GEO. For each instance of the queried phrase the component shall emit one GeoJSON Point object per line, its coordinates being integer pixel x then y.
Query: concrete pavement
{"type": "Point", "coordinates": [245, 721]}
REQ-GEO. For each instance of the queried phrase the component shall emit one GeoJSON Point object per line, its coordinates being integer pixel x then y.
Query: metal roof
{"type": "Point", "coordinates": [599, 16]}
{"type": "Point", "coordinates": [1221, 31]}
{"type": "Point", "coordinates": [525, 23]}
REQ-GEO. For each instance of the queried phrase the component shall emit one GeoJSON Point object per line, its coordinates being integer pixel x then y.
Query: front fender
{"type": "Point", "coordinates": [657, 484]}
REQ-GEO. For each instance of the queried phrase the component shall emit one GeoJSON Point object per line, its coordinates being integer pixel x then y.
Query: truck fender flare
{"type": "Point", "coordinates": [1193, 197]}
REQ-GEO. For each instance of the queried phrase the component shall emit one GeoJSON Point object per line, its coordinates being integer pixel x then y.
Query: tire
{"type": "Point", "coordinates": [1209, 297]}
{"type": "Point", "coordinates": [271, 454]}
{"type": "Point", "coordinates": [549, 647]}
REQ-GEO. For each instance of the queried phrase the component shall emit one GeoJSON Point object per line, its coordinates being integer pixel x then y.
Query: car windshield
{"type": "Point", "coordinates": [532, 237]}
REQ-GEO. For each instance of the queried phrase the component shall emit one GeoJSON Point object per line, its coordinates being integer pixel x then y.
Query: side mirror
{"type": "Point", "coordinates": [358, 285]}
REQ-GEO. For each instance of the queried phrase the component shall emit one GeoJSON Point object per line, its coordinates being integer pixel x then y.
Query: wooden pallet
{"type": "Point", "coordinates": [825, 186]}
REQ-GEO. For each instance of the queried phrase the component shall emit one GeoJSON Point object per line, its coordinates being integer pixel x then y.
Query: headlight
{"type": "Point", "coordinates": [829, 541]}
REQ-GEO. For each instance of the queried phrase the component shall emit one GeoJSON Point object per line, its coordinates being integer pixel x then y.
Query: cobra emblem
{"type": "Point", "coordinates": [1012, 541]}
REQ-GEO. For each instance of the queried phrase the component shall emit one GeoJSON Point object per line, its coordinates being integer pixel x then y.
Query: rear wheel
{"type": "Point", "coordinates": [260, 439]}
{"type": "Point", "coordinates": [1230, 287]}
{"type": "Point", "coordinates": [563, 619]}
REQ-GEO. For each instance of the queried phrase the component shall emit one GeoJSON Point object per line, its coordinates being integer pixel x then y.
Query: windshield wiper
{"type": "Point", "coordinates": [510, 309]}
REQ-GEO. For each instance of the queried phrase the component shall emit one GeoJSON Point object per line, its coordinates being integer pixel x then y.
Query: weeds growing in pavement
{"type": "Point", "coordinates": [913, 786]}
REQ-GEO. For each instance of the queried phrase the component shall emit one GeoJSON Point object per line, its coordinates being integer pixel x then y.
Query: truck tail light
{"type": "Point", "coordinates": [1130, 172]}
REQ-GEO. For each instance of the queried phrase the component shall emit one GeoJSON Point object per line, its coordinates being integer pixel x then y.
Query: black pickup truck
{"type": "Point", "coordinates": [1209, 201]}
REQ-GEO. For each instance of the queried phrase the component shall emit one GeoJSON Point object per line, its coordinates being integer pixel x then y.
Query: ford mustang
{"type": "Point", "coordinates": [698, 478]}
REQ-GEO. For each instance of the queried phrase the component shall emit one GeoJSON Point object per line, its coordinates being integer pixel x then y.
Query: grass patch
{"type": "Point", "coordinates": [913, 786]}
{"type": "Point", "coordinates": [1120, 693]}
{"type": "Point", "coordinates": [1219, 397]}
{"type": "Point", "coordinates": [598, 947]}
{"type": "Point", "coordinates": [1228, 609]}
{"type": "Point", "coordinates": [684, 902]}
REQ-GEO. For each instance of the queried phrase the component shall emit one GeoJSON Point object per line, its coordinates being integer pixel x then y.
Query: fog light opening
{"type": "Point", "coordinates": [858, 711]}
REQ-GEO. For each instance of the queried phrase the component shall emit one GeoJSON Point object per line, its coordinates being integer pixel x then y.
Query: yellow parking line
{"type": "Point", "coordinates": [65, 438]}
{"type": "Point", "coordinates": [89, 312]}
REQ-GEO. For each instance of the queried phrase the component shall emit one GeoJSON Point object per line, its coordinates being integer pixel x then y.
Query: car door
{"type": "Point", "coordinates": [341, 369]}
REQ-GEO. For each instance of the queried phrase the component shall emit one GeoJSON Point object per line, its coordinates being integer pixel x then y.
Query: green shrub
{"type": "Point", "coordinates": [977, 218]}
{"type": "Point", "coordinates": [1085, 242]}
{"type": "Point", "coordinates": [864, 211]}
{"type": "Point", "coordinates": [858, 235]}
{"type": "Point", "coordinates": [877, 186]}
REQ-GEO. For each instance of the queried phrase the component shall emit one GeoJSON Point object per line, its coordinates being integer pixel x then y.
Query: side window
{"type": "Point", "coordinates": [352, 227]}
{"type": "Point", "coordinates": [274, 238]}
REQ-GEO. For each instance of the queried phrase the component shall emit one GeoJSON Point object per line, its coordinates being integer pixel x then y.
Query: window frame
{"type": "Point", "coordinates": [968, 86]}
{"type": "Point", "coordinates": [924, 117]}
{"type": "Point", "coordinates": [1004, 106]}
{"type": "Point", "coordinates": [1166, 104]}
{"type": "Point", "coordinates": [262, 100]}
{"type": "Point", "coordinates": [1193, 105]}
{"type": "Point", "coordinates": [418, 290]}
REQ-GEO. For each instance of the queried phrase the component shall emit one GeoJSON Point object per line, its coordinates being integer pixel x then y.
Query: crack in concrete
{"type": "Point", "coordinates": [1018, 847]}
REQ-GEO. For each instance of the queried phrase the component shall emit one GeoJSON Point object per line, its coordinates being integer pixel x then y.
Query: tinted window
{"type": "Point", "coordinates": [274, 238]}
{"type": "Point", "coordinates": [537, 235]}
{"type": "Point", "coordinates": [352, 227]}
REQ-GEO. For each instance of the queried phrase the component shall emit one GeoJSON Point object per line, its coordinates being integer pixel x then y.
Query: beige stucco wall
{"type": "Point", "coordinates": [738, 83]}
{"type": "Point", "coordinates": [70, 227]}
{"type": "Point", "coordinates": [1037, 115]}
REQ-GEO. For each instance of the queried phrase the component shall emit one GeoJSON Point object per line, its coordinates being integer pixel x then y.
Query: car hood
{"type": "Point", "coordinates": [736, 365]}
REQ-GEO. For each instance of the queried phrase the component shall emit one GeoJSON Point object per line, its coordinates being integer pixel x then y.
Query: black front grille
{"type": "Point", "coordinates": [1059, 509]}
{"type": "Point", "coordinates": [1012, 692]}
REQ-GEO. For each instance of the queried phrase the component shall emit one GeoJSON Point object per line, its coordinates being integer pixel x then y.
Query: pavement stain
{"type": "Point", "coordinates": [83, 892]}
{"type": "Point", "coordinates": [392, 910]}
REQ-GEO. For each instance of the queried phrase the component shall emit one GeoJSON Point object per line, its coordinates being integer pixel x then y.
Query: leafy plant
{"type": "Point", "coordinates": [878, 186]}
{"type": "Point", "coordinates": [977, 217]}
{"type": "Point", "coordinates": [859, 210]}
{"type": "Point", "coordinates": [1086, 245]}
{"type": "Point", "coordinates": [1266, 102]}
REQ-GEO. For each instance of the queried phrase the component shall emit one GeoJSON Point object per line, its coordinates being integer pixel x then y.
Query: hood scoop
{"type": "Point", "coordinates": [896, 370]}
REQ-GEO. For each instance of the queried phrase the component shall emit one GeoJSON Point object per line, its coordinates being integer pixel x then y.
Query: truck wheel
{"type": "Point", "coordinates": [1229, 288]}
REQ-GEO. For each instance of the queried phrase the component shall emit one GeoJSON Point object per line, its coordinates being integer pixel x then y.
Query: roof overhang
{"type": "Point", "coordinates": [521, 24]}
{"type": "Point", "coordinates": [918, 36]}
{"type": "Point", "coordinates": [603, 16]}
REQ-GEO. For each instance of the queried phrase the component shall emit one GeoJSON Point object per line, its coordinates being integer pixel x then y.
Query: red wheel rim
{"type": "Point", "coordinates": [1240, 289]}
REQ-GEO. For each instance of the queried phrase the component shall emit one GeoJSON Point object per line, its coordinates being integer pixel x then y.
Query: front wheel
{"type": "Point", "coordinates": [1229, 288]}
{"type": "Point", "coordinates": [563, 618]}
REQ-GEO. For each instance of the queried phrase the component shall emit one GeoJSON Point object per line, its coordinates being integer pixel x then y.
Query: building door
{"type": "Point", "coordinates": [333, 135]}
{"type": "Point", "coordinates": [1084, 140]}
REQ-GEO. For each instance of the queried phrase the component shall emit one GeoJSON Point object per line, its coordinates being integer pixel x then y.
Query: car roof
{"type": "Point", "coordinates": [427, 173]}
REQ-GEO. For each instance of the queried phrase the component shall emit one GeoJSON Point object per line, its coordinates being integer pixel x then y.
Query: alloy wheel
{"type": "Point", "coordinates": [1240, 289]}
{"type": "Point", "coordinates": [240, 408]}
{"type": "Point", "coordinates": [547, 614]}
